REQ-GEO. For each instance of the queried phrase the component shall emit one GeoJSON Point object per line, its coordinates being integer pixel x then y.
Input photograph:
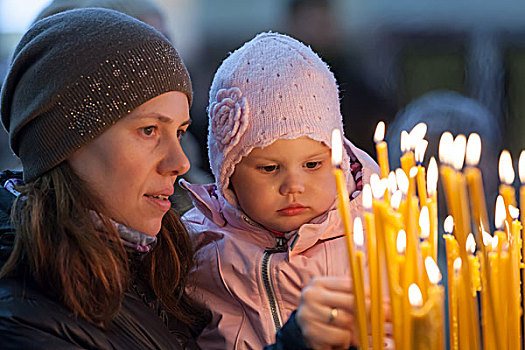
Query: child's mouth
{"type": "Point", "coordinates": [292, 210]}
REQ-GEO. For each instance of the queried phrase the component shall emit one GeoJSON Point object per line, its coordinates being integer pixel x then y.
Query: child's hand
{"type": "Point", "coordinates": [326, 313]}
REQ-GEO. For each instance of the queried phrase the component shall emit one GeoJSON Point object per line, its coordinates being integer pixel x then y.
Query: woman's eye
{"type": "Point", "coordinates": [268, 168]}
{"type": "Point", "coordinates": [313, 165]}
{"type": "Point", "coordinates": [148, 130]}
{"type": "Point", "coordinates": [180, 133]}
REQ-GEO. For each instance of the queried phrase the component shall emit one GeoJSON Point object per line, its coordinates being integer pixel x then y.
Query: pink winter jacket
{"type": "Point", "coordinates": [250, 283]}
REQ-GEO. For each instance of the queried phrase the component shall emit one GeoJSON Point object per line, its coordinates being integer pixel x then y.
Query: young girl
{"type": "Point", "coordinates": [269, 223]}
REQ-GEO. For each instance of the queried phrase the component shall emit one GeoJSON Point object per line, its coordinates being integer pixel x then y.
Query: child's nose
{"type": "Point", "coordinates": [292, 184]}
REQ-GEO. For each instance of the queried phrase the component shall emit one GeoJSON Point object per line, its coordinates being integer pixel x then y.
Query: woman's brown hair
{"type": "Point", "coordinates": [88, 271]}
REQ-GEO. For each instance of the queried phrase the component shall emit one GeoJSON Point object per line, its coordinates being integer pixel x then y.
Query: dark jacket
{"type": "Point", "coordinates": [30, 319]}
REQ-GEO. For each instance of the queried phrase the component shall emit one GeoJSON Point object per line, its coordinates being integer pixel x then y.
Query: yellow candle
{"type": "Point", "coordinates": [421, 147]}
{"type": "Point", "coordinates": [424, 225]}
{"type": "Point", "coordinates": [514, 288]}
{"type": "Point", "coordinates": [436, 291]}
{"type": "Point", "coordinates": [381, 149]}
{"type": "Point", "coordinates": [407, 162]}
{"type": "Point", "coordinates": [454, 304]}
{"type": "Point", "coordinates": [427, 318]}
{"type": "Point", "coordinates": [432, 179]}
{"type": "Point", "coordinates": [500, 281]}
{"type": "Point", "coordinates": [521, 173]}
{"type": "Point", "coordinates": [452, 250]}
{"type": "Point", "coordinates": [376, 307]}
{"type": "Point", "coordinates": [387, 258]}
{"type": "Point", "coordinates": [487, 318]}
{"type": "Point", "coordinates": [361, 312]}
{"type": "Point", "coordinates": [401, 243]}
{"type": "Point", "coordinates": [494, 280]}
{"type": "Point", "coordinates": [475, 185]}
{"type": "Point", "coordinates": [343, 206]}
{"type": "Point", "coordinates": [465, 340]}
{"type": "Point", "coordinates": [503, 306]}
{"type": "Point", "coordinates": [474, 265]}
{"type": "Point", "coordinates": [456, 194]}
{"type": "Point", "coordinates": [506, 175]}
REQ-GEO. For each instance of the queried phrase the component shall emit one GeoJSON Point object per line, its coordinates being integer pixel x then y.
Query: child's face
{"type": "Point", "coordinates": [286, 184]}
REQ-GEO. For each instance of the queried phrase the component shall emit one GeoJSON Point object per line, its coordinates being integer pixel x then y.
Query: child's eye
{"type": "Point", "coordinates": [149, 130]}
{"type": "Point", "coordinates": [268, 168]}
{"type": "Point", "coordinates": [312, 165]}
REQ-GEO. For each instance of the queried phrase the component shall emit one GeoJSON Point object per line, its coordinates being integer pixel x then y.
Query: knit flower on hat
{"type": "Point", "coordinates": [229, 118]}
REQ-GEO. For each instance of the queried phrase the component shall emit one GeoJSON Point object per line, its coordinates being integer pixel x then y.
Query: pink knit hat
{"type": "Point", "coordinates": [273, 87]}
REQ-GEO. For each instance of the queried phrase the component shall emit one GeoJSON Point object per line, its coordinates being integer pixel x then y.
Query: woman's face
{"type": "Point", "coordinates": [133, 165]}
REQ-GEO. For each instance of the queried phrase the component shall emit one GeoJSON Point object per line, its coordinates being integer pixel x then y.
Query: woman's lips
{"type": "Point", "coordinates": [160, 202]}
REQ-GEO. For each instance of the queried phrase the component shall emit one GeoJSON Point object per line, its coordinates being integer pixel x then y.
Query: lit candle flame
{"type": "Point", "coordinates": [434, 275]}
{"type": "Point", "coordinates": [473, 149]}
{"type": "Point", "coordinates": [417, 133]}
{"type": "Point", "coordinates": [379, 135]}
{"type": "Point", "coordinates": [358, 233]}
{"type": "Point", "coordinates": [500, 214]}
{"type": "Point", "coordinates": [414, 295]}
{"type": "Point", "coordinates": [505, 169]}
{"type": "Point", "coordinates": [402, 181]}
{"type": "Point", "coordinates": [487, 239]}
{"type": "Point", "coordinates": [521, 167]}
{"type": "Point", "coordinates": [384, 184]}
{"type": "Point", "coordinates": [448, 225]}
{"type": "Point", "coordinates": [392, 182]}
{"type": "Point", "coordinates": [495, 242]}
{"type": "Point", "coordinates": [395, 201]}
{"type": "Point", "coordinates": [424, 222]}
{"type": "Point", "coordinates": [446, 143]}
{"type": "Point", "coordinates": [432, 177]}
{"type": "Point", "coordinates": [367, 197]}
{"type": "Point", "coordinates": [337, 148]}
{"type": "Point", "coordinates": [514, 212]}
{"type": "Point", "coordinates": [413, 172]}
{"type": "Point", "coordinates": [460, 144]}
{"type": "Point", "coordinates": [457, 265]}
{"type": "Point", "coordinates": [378, 186]}
{"type": "Point", "coordinates": [421, 147]}
{"type": "Point", "coordinates": [405, 141]}
{"type": "Point", "coordinates": [401, 242]}
{"type": "Point", "coordinates": [470, 245]}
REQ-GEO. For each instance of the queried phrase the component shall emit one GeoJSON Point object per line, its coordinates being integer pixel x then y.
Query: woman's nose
{"type": "Point", "coordinates": [175, 162]}
{"type": "Point", "coordinates": [292, 184]}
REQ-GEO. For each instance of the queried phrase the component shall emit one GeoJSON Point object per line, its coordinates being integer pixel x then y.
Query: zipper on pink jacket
{"type": "Point", "coordinates": [280, 247]}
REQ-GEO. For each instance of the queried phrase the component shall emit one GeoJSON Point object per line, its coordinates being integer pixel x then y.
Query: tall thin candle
{"type": "Point", "coordinates": [506, 176]}
{"type": "Point", "coordinates": [343, 206]}
{"type": "Point", "coordinates": [360, 291]}
{"type": "Point", "coordinates": [381, 149]}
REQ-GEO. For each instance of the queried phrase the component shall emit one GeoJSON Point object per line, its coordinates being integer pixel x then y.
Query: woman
{"type": "Point", "coordinates": [92, 256]}
{"type": "Point", "coordinates": [95, 103]}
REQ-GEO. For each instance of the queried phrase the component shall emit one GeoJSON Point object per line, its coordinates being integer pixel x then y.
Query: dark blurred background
{"type": "Point", "coordinates": [385, 54]}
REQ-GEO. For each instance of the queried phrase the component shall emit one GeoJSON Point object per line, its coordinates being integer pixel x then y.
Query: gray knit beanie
{"type": "Point", "coordinates": [74, 74]}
